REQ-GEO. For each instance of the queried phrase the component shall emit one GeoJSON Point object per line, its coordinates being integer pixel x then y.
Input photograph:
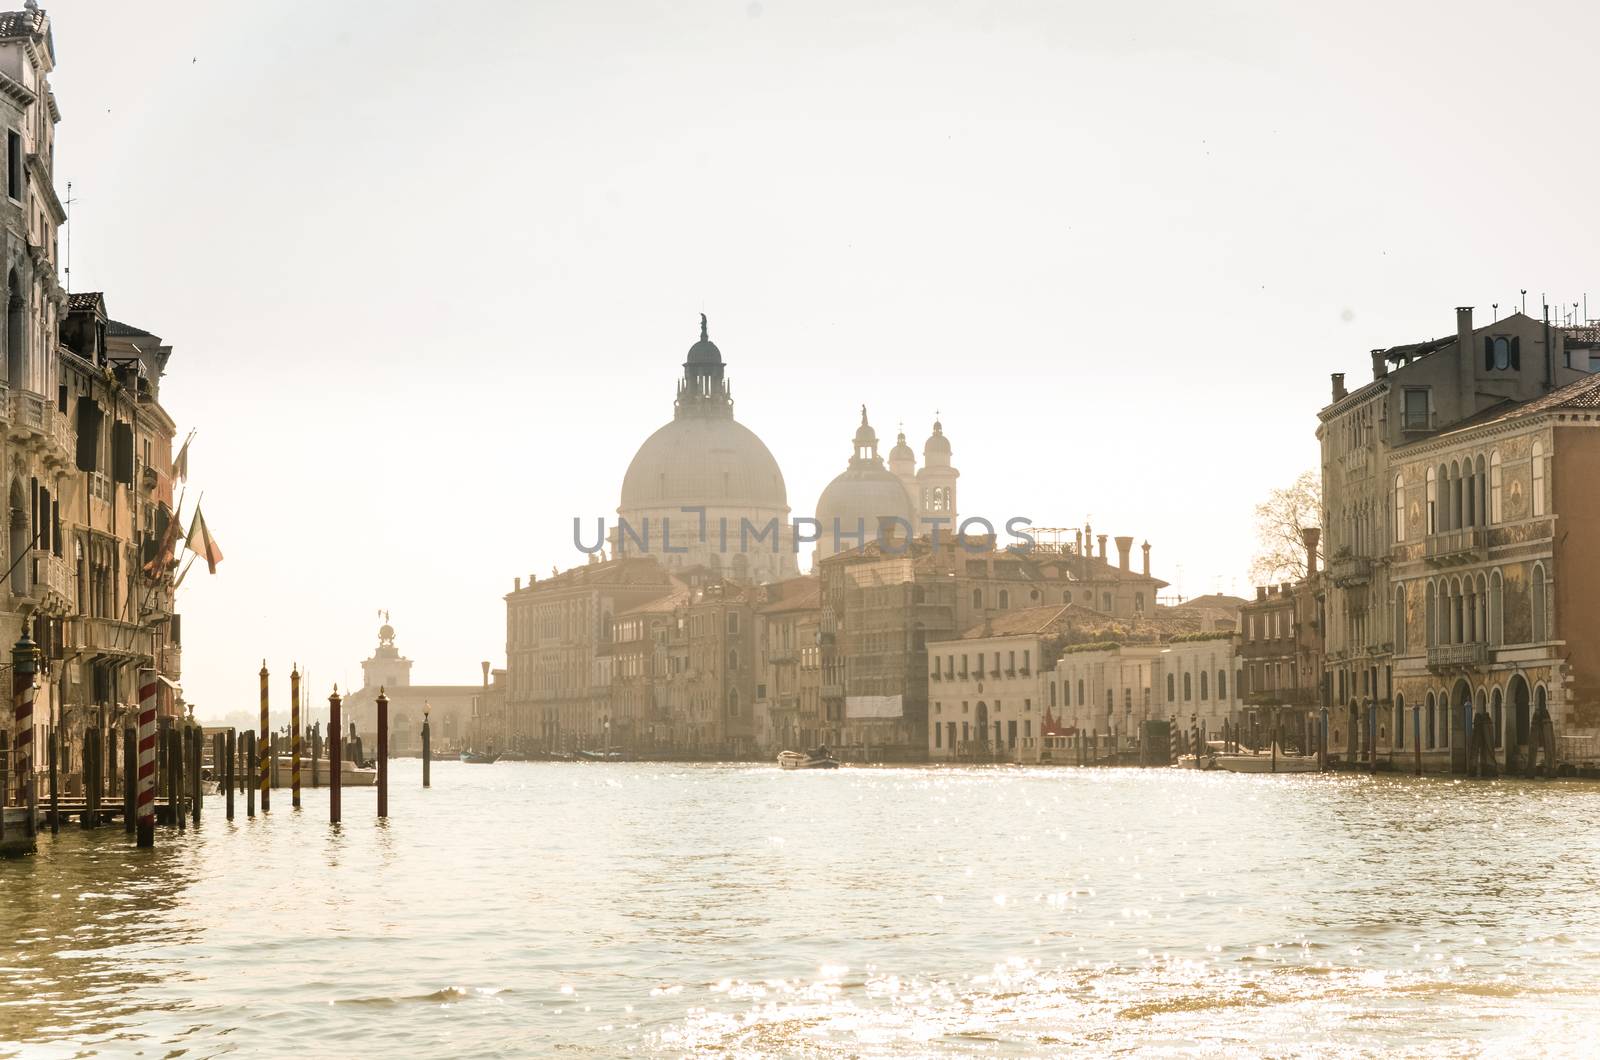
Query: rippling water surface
{"type": "Point", "coordinates": [603, 909]}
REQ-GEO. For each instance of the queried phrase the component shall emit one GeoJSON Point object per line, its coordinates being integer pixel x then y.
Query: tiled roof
{"type": "Point", "coordinates": [1581, 394]}
{"type": "Point", "coordinates": [21, 23]}
{"type": "Point", "coordinates": [117, 327]}
{"type": "Point", "coordinates": [85, 300]}
{"type": "Point", "coordinates": [794, 594]}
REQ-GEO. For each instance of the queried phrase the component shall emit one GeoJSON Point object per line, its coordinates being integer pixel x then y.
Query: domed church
{"type": "Point", "coordinates": [704, 458]}
{"type": "Point", "coordinates": [866, 496]}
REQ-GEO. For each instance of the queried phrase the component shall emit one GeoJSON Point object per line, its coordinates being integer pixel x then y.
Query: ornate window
{"type": "Point", "coordinates": [1432, 502]}
{"type": "Point", "coordinates": [1495, 488]}
{"type": "Point", "coordinates": [1400, 619]}
{"type": "Point", "coordinates": [1538, 478]}
{"type": "Point", "coordinates": [1399, 508]}
{"type": "Point", "coordinates": [1541, 617]}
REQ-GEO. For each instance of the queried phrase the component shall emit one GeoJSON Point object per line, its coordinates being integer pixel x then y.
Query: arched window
{"type": "Point", "coordinates": [1480, 493]}
{"type": "Point", "coordinates": [1496, 490]}
{"type": "Point", "coordinates": [1172, 689]}
{"type": "Point", "coordinates": [1432, 501]}
{"type": "Point", "coordinates": [1540, 609]}
{"type": "Point", "coordinates": [1052, 693]}
{"type": "Point", "coordinates": [1497, 621]}
{"type": "Point", "coordinates": [1105, 602]}
{"type": "Point", "coordinates": [1188, 688]}
{"type": "Point", "coordinates": [977, 598]}
{"type": "Point", "coordinates": [1005, 599]}
{"type": "Point", "coordinates": [1452, 499]}
{"type": "Point", "coordinates": [1081, 699]}
{"type": "Point", "coordinates": [1428, 727]}
{"type": "Point", "coordinates": [1430, 616]}
{"type": "Point", "coordinates": [1222, 684]}
{"type": "Point", "coordinates": [1400, 618]}
{"type": "Point", "coordinates": [1538, 478]}
{"type": "Point", "coordinates": [1501, 354]}
{"type": "Point", "coordinates": [1066, 596]}
{"type": "Point", "coordinates": [1138, 602]}
{"type": "Point", "coordinates": [733, 658]}
{"type": "Point", "coordinates": [1203, 687]}
{"type": "Point", "coordinates": [1497, 712]}
{"type": "Point", "coordinates": [1111, 702]}
{"type": "Point", "coordinates": [1399, 722]}
{"type": "Point", "coordinates": [733, 702]}
{"type": "Point", "coordinates": [1399, 508]}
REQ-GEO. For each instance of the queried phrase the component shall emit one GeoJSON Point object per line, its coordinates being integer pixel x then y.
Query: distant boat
{"type": "Point", "coordinates": [600, 756]}
{"type": "Point", "coordinates": [479, 758]}
{"type": "Point", "coordinates": [818, 759]}
{"type": "Point", "coordinates": [350, 774]}
{"type": "Point", "coordinates": [1267, 762]}
{"type": "Point", "coordinates": [512, 756]}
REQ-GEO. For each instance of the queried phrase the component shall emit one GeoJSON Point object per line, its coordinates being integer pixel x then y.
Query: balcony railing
{"type": "Point", "coordinates": [1457, 656]}
{"type": "Point", "coordinates": [1282, 697]}
{"type": "Point", "coordinates": [1457, 546]}
{"type": "Point", "coordinates": [51, 574]}
{"type": "Point", "coordinates": [1350, 570]}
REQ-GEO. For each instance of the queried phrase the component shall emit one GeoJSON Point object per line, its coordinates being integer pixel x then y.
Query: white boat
{"type": "Point", "coordinates": [1266, 762]}
{"type": "Point", "coordinates": [814, 760]}
{"type": "Point", "coordinates": [350, 774]}
{"type": "Point", "coordinates": [1208, 761]}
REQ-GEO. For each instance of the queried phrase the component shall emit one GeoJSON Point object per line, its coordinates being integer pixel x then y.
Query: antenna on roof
{"type": "Point", "coordinates": [1524, 301]}
{"type": "Point", "coordinates": [1496, 306]}
{"type": "Point", "coordinates": [68, 205]}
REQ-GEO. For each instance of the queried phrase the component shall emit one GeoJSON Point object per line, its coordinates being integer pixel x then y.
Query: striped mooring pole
{"type": "Point", "coordinates": [24, 664]}
{"type": "Point", "coordinates": [145, 796]}
{"type": "Point", "coordinates": [265, 746]}
{"type": "Point", "coordinates": [294, 737]}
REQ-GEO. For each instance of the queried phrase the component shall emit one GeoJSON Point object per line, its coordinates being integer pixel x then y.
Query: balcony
{"type": "Point", "coordinates": [1350, 570]}
{"type": "Point", "coordinates": [51, 575]}
{"type": "Point", "coordinates": [30, 415]}
{"type": "Point", "coordinates": [1448, 657]}
{"type": "Point", "coordinates": [936, 676]}
{"type": "Point", "coordinates": [1453, 547]}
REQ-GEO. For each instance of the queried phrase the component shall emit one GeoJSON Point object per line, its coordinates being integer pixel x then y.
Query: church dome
{"type": "Point", "coordinates": [705, 351]}
{"type": "Point", "coordinates": [703, 460]}
{"type": "Point", "coordinates": [862, 496]}
{"type": "Point", "coordinates": [901, 451]}
{"type": "Point", "coordinates": [936, 450]}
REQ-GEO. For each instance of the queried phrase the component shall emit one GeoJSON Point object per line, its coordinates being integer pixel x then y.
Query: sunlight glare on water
{"type": "Point", "coordinates": [668, 909]}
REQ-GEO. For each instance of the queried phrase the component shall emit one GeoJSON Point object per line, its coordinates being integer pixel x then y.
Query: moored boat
{"type": "Point", "coordinates": [350, 774]}
{"type": "Point", "coordinates": [817, 759]}
{"type": "Point", "coordinates": [1266, 762]}
{"type": "Point", "coordinates": [479, 758]}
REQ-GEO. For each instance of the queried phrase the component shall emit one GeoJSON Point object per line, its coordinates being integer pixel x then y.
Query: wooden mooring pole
{"type": "Point", "coordinates": [265, 741]}
{"type": "Point", "coordinates": [55, 781]}
{"type": "Point", "coordinates": [249, 773]}
{"type": "Point", "coordinates": [230, 754]}
{"type": "Point", "coordinates": [427, 750]}
{"type": "Point", "coordinates": [383, 754]}
{"type": "Point", "coordinates": [316, 753]}
{"type": "Point", "coordinates": [24, 664]}
{"type": "Point", "coordinates": [130, 778]}
{"type": "Point", "coordinates": [335, 756]}
{"type": "Point", "coordinates": [294, 737]}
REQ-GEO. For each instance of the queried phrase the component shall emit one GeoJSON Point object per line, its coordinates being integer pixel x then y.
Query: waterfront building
{"type": "Point", "coordinates": [643, 662]}
{"type": "Point", "coordinates": [986, 685]}
{"type": "Point", "coordinates": [1494, 589]}
{"type": "Point", "coordinates": [558, 636]}
{"type": "Point", "coordinates": [703, 460]}
{"type": "Point", "coordinates": [86, 448]}
{"type": "Point", "coordinates": [453, 710]}
{"type": "Point", "coordinates": [883, 604]}
{"type": "Point", "coordinates": [1418, 390]}
{"type": "Point", "coordinates": [789, 686]}
{"type": "Point", "coordinates": [1281, 659]}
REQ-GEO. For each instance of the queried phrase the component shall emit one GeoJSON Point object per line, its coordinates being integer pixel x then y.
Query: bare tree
{"type": "Point", "coordinates": [1280, 551]}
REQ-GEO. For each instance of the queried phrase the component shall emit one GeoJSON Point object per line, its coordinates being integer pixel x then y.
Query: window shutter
{"type": "Point", "coordinates": [1488, 354]}
{"type": "Point", "coordinates": [89, 417]}
{"type": "Point", "coordinates": [1516, 353]}
{"type": "Point", "coordinates": [122, 453]}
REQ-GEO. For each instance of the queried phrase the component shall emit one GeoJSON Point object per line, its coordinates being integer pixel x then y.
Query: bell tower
{"type": "Point", "coordinates": [387, 668]}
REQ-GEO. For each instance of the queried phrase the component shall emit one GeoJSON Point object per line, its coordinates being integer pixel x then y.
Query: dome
{"type": "Point", "coordinates": [866, 437]}
{"type": "Point", "coordinates": [698, 460]}
{"type": "Point", "coordinates": [901, 450]}
{"type": "Point", "coordinates": [861, 496]}
{"type": "Point", "coordinates": [705, 351]}
{"type": "Point", "coordinates": [936, 450]}
{"type": "Point", "coordinates": [386, 632]}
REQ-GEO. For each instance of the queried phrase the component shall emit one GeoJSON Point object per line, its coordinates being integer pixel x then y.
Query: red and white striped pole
{"type": "Point", "coordinates": [145, 798]}
{"type": "Point", "coordinates": [24, 664]}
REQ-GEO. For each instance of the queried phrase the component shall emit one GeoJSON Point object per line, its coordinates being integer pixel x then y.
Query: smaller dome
{"type": "Point", "coordinates": [901, 450]}
{"type": "Point", "coordinates": [705, 351]}
{"type": "Point", "coordinates": [936, 450]}
{"type": "Point", "coordinates": [866, 437]}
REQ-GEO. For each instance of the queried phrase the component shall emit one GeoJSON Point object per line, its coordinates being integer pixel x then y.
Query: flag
{"type": "Point", "coordinates": [180, 464]}
{"type": "Point", "coordinates": [201, 543]}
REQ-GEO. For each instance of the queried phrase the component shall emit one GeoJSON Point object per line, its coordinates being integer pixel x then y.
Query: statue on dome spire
{"type": "Point", "coordinates": [703, 336]}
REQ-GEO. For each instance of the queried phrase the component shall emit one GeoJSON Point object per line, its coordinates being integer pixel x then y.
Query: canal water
{"type": "Point", "coordinates": [608, 909]}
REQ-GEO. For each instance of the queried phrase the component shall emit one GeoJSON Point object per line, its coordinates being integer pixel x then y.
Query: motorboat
{"type": "Point", "coordinates": [351, 774]}
{"type": "Point", "coordinates": [817, 759]}
{"type": "Point", "coordinates": [512, 756]}
{"type": "Point", "coordinates": [479, 758]}
{"type": "Point", "coordinates": [1272, 761]}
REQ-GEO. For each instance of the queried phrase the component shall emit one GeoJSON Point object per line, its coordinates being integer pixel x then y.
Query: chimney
{"type": "Point", "coordinates": [1311, 535]}
{"type": "Point", "coordinates": [1380, 364]}
{"type": "Point", "coordinates": [1088, 537]}
{"type": "Point", "coordinates": [1147, 559]}
{"type": "Point", "coordinates": [1466, 362]}
{"type": "Point", "coordinates": [1338, 386]}
{"type": "Point", "coordinates": [1080, 542]}
{"type": "Point", "coordinates": [1124, 549]}
{"type": "Point", "coordinates": [1102, 539]}
{"type": "Point", "coordinates": [486, 673]}
{"type": "Point", "coordinates": [516, 585]}
{"type": "Point", "coordinates": [1261, 592]}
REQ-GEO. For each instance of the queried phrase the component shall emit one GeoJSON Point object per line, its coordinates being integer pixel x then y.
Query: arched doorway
{"type": "Point", "coordinates": [983, 723]}
{"type": "Point", "coordinates": [1517, 730]}
{"type": "Point", "coordinates": [1497, 713]}
{"type": "Point", "coordinates": [1459, 708]}
{"type": "Point", "coordinates": [1352, 745]}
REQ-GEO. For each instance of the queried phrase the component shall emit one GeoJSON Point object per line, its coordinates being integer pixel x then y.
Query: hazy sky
{"type": "Point", "coordinates": [430, 269]}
